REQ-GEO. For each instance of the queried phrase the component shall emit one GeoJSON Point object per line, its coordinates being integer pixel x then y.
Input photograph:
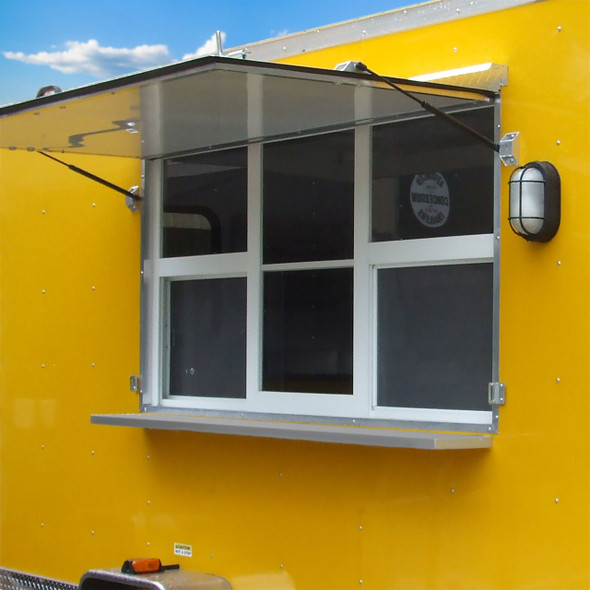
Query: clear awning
{"type": "Point", "coordinates": [213, 102]}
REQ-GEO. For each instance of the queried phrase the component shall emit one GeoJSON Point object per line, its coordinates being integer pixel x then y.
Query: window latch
{"type": "Point", "coordinates": [496, 394]}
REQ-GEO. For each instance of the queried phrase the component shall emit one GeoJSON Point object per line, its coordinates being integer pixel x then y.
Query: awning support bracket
{"type": "Point", "coordinates": [131, 195]}
{"type": "Point", "coordinates": [361, 67]}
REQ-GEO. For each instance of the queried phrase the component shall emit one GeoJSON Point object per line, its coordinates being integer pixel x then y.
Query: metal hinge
{"type": "Point", "coordinates": [510, 149]}
{"type": "Point", "coordinates": [496, 394]}
{"type": "Point", "coordinates": [134, 383]}
{"type": "Point", "coordinates": [132, 199]}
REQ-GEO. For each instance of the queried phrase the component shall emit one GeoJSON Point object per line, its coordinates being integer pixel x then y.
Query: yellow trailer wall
{"type": "Point", "coordinates": [273, 514]}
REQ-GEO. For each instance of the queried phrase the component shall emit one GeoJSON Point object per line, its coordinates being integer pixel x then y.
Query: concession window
{"type": "Point", "coordinates": [212, 102]}
{"type": "Point", "coordinates": [197, 123]}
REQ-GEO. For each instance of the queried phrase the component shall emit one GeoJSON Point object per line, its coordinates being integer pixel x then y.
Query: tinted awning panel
{"type": "Point", "coordinates": [212, 102]}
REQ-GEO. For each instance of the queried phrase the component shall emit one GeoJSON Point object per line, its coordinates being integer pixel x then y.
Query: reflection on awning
{"type": "Point", "coordinates": [212, 102]}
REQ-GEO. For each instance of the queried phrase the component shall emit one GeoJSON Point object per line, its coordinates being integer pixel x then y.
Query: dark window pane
{"type": "Point", "coordinates": [431, 179]}
{"type": "Point", "coordinates": [208, 338]}
{"type": "Point", "coordinates": [435, 336]}
{"type": "Point", "coordinates": [308, 331]}
{"type": "Point", "coordinates": [308, 204]}
{"type": "Point", "coordinates": [205, 204]}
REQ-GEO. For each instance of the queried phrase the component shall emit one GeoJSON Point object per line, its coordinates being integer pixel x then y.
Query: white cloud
{"type": "Point", "coordinates": [208, 48]}
{"type": "Point", "coordinates": [91, 58]}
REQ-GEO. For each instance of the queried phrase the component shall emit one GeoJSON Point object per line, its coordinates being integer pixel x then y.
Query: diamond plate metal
{"type": "Point", "coordinates": [13, 580]}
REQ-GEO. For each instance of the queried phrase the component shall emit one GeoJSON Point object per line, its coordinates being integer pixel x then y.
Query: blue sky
{"type": "Point", "coordinates": [75, 42]}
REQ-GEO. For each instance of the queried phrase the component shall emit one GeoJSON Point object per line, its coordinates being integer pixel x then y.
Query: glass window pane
{"type": "Point", "coordinates": [207, 340]}
{"type": "Point", "coordinates": [308, 331]}
{"type": "Point", "coordinates": [205, 204]}
{"type": "Point", "coordinates": [431, 179]}
{"type": "Point", "coordinates": [435, 336]}
{"type": "Point", "coordinates": [308, 201]}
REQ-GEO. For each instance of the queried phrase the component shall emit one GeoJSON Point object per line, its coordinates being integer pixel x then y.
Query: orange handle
{"type": "Point", "coordinates": [141, 566]}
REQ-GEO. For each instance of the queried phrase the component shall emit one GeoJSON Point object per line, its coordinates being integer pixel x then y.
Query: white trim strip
{"type": "Point", "coordinates": [450, 250]}
{"type": "Point", "coordinates": [488, 76]}
{"type": "Point", "coordinates": [206, 266]}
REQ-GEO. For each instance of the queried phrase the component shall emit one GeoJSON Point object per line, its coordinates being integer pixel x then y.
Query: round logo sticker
{"type": "Point", "coordinates": [429, 196]}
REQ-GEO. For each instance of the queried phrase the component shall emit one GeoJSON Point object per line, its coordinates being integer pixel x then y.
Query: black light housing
{"type": "Point", "coordinates": [535, 201]}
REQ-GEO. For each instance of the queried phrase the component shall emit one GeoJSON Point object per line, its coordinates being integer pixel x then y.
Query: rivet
{"type": "Point", "coordinates": [92, 365]}
{"type": "Point", "coordinates": [361, 528]}
{"type": "Point", "coordinates": [42, 524]}
{"type": "Point", "coordinates": [559, 263]}
{"type": "Point", "coordinates": [454, 50]}
{"type": "Point", "coordinates": [42, 447]}
{"type": "Point", "coordinates": [557, 500]}
{"type": "Point", "coordinates": [94, 204]}
{"type": "Point", "coordinates": [360, 581]}
{"type": "Point", "coordinates": [559, 142]}
{"type": "Point", "coordinates": [43, 211]}
{"type": "Point", "coordinates": [148, 543]}
{"type": "Point", "coordinates": [92, 452]}
{"type": "Point", "coordinates": [148, 457]}
{"type": "Point", "coordinates": [280, 475]}
{"type": "Point", "coordinates": [212, 555]}
{"type": "Point", "coordinates": [452, 490]}
{"type": "Point", "coordinates": [43, 366]}
{"type": "Point", "coordinates": [93, 288]}
{"type": "Point", "coordinates": [559, 28]}
{"type": "Point", "coordinates": [92, 532]}
{"type": "Point", "coordinates": [558, 380]}
{"type": "Point", "coordinates": [43, 291]}
{"type": "Point", "coordinates": [148, 502]}
{"type": "Point", "coordinates": [282, 566]}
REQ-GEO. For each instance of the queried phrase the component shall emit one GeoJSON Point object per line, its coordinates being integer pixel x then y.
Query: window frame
{"type": "Point", "coordinates": [359, 408]}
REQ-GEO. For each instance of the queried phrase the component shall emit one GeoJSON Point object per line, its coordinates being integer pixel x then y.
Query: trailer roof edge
{"type": "Point", "coordinates": [368, 27]}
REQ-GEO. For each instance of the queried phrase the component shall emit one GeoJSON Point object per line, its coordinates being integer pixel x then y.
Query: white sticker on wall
{"type": "Point", "coordinates": [182, 549]}
{"type": "Point", "coordinates": [429, 196]}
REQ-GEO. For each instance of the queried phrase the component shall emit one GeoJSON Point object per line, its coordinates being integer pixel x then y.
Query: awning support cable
{"type": "Point", "coordinates": [91, 176]}
{"type": "Point", "coordinates": [361, 67]}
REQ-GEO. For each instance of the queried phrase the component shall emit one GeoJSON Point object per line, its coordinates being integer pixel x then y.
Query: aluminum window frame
{"type": "Point", "coordinates": [359, 408]}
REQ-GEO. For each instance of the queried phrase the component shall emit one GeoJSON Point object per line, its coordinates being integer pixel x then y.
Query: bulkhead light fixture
{"type": "Point", "coordinates": [535, 201]}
